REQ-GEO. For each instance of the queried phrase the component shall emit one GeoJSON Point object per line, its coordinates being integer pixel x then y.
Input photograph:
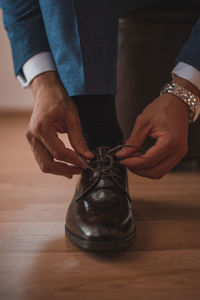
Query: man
{"type": "Point", "coordinates": [66, 52]}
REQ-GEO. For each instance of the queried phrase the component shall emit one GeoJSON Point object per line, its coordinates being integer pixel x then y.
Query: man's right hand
{"type": "Point", "coordinates": [55, 112]}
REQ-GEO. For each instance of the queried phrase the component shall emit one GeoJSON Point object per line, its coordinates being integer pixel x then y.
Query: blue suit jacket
{"type": "Point", "coordinates": [82, 36]}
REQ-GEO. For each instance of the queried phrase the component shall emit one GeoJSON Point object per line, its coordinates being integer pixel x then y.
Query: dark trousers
{"type": "Point", "coordinates": [148, 44]}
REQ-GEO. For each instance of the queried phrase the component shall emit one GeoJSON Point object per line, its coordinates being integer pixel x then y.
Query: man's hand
{"type": "Point", "coordinates": [165, 119]}
{"type": "Point", "coordinates": [54, 112]}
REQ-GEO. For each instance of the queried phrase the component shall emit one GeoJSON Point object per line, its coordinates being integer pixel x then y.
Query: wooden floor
{"type": "Point", "coordinates": [38, 262]}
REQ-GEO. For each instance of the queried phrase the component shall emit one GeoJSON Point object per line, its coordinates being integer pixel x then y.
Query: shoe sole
{"type": "Point", "coordinates": [100, 245]}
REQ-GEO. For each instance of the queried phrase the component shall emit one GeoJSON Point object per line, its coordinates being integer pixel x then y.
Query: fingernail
{"type": "Point", "coordinates": [120, 152]}
{"type": "Point", "coordinates": [89, 153]}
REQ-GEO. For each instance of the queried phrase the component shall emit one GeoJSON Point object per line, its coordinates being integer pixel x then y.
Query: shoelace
{"type": "Point", "coordinates": [109, 155]}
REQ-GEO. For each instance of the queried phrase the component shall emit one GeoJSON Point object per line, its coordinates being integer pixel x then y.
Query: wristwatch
{"type": "Point", "coordinates": [190, 99]}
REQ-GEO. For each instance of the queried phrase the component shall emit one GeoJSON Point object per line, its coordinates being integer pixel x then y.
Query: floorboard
{"type": "Point", "coordinates": [38, 262]}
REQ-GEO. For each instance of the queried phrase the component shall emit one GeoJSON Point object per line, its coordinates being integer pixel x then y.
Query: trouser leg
{"type": "Point", "coordinates": [98, 120]}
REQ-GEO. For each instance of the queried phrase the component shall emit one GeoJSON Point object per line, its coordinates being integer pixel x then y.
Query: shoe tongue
{"type": "Point", "coordinates": [99, 159]}
{"type": "Point", "coordinates": [99, 152]}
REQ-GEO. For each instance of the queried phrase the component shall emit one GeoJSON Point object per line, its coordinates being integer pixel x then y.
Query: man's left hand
{"type": "Point", "coordinates": [166, 120]}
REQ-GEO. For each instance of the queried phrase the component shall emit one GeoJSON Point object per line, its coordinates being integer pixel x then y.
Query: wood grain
{"type": "Point", "coordinates": [38, 262]}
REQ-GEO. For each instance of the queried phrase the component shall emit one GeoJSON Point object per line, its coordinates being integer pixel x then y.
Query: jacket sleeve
{"type": "Point", "coordinates": [83, 38]}
{"type": "Point", "coordinates": [24, 25]}
{"type": "Point", "coordinates": [190, 53]}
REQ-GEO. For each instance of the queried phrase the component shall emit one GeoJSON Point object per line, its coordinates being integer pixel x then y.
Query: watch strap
{"type": "Point", "coordinates": [192, 101]}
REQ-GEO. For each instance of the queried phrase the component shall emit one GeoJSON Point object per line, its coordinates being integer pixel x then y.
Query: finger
{"type": "Point", "coordinates": [159, 170]}
{"type": "Point", "coordinates": [58, 168]}
{"type": "Point", "coordinates": [57, 148]}
{"type": "Point", "coordinates": [152, 157]}
{"type": "Point", "coordinates": [137, 138]}
{"type": "Point", "coordinates": [46, 162]}
{"type": "Point", "coordinates": [76, 137]}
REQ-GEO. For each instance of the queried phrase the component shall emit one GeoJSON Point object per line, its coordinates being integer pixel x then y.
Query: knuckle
{"type": "Point", "coordinates": [38, 129]}
{"type": "Point", "coordinates": [147, 164]}
{"type": "Point", "coordinates": [139, 117]}
{"type": "Point", "coordinates": [142, 119]}
{"type": "Point", "coordinates": [156, 175]}
{"type": "Point", "coordinates": [72, 119]}
{"type": "Point", "coordinates": [58, 155]}
{"type": "Point", "coordinates": [45, 168]}
{"type": "Point", "coordinates": [29, 136]}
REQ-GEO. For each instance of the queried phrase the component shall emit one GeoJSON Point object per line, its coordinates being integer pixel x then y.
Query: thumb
{"type": "Point", "coordinates": [137, 139]}
{"type": "Point", "coordinates": [77, 139]}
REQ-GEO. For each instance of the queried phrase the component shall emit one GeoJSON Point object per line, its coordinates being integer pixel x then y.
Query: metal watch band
{"type": "Point", "coordinates": [190, 99]}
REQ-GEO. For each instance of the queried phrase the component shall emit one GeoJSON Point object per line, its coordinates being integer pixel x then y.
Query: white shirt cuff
{"type": "Point", "coordinates": [37, 64]}
{"type": "Point", "coordinates": [187, 72]}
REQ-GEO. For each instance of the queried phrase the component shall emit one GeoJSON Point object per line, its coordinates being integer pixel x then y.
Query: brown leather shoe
{"type": "Point", "coordinates": [100, 215]}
